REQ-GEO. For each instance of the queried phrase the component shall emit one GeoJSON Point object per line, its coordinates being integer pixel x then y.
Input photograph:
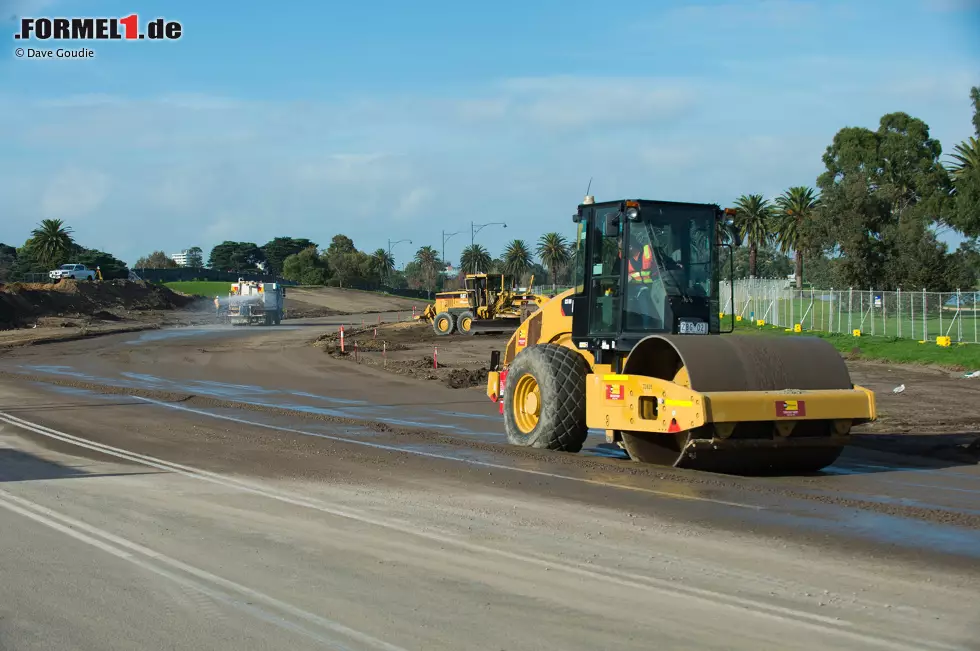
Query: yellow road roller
{"type": "Point", "coordinates": [636, 349]}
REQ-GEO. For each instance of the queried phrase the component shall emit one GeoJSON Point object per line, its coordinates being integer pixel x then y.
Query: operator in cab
{"type": "Point", "coordinates": [651, 272]}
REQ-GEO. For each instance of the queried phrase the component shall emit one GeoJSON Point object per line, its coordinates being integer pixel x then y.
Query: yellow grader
{"type": "Point", "coordinates": [634, 350]}
{"type": "Point", "coordinates": [485, 305]}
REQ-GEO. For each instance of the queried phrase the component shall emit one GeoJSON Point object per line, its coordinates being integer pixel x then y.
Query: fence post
{"type": "Point", "coordinates": [899, 292]}
{"type": "Point", "coordinates": [812, 311]}
{"type": "Point", "coordinates": [912, 312]}
{"type": "Point", "coordinates": [823, 310]}
{"type": "Point", "coordinates": [871, 297]}
{"type": "Point", "coordinates": [840, 302]}
{"type": "Point", "coordinates": [884, 313]}
{"type": "Point", "coordinates": [850, 309]}
{"type": "Point", "coordinates": [925, 310]}
{"type": "Point", "coordinates": [861, 301]}
{"type": "Point", "coordinates": [830, 312]}
{"type": "Point", "coordinates": [959, 316]}
{"type": "Point", "coordinates": [941, 333]}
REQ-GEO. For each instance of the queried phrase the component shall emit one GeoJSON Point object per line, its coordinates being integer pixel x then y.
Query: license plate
{"type": "Point", "coordinates": [694, 328]}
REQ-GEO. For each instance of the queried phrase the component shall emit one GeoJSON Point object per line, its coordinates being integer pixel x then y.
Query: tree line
{"type": "Point", "coordinates": [51, 245]}
{"type": "Point", "coordinates": [876, 214]}
{"type": "Point", "coordinates": [342, 264]}
{"type": "Point", "coordinates": [873, 220]}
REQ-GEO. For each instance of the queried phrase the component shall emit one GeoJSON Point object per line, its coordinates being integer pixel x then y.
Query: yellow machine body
{"type": "Point", "coordinates": [480, 306]}
{"type": "Point", "coordinates": [736, 404]}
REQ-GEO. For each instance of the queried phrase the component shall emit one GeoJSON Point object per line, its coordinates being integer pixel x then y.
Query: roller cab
{"type": "Point", "coordinates": [636, 349]}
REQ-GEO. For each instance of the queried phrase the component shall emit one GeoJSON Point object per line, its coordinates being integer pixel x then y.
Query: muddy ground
{"type": "Point", "coordinates": [32, 313]}
{"type": "Point", "coordinates": [35, 312]}
{"type": "Point", "coordinates": [330, 470]}
{"type": "Point", "coordinates": [413, 349]}
{"type": "Point", "coordinates": [308, 302]}
{"type": "Point", "coordinates": [934, 400]}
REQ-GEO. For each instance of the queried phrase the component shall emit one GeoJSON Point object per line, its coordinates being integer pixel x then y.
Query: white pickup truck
{"type": "Point", "coordinates": [73, 271]}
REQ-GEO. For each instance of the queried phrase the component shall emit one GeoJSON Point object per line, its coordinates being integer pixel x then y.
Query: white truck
{"type": "Point", "coordinates": [73, 271]}
{"type": "Point", "coordinates": [253, 302]}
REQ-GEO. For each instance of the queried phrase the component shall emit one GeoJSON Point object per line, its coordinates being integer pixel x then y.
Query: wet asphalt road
{"type": "Point", "coordinates": [294, 520]}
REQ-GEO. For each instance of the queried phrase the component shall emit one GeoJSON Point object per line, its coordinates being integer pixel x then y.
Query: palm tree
{"type": "Point", "coordinates": [752, 219]}
{"type": "Point", "coordinates": [51, 242]}
{"type": "Point", "coordinates": [428, 259]}
{"type": "Point", "coordinates": [474, 259]}
{"type": "Point", "coordinates": [517, 260]}
{"type": "Point", "coordinates": [383, 263]}
{"type": "Point", "coordinates": [555, 255]}
{"type": "Point", "coordinates": [726, 232]}
{"type": "Point", "coordinates": [794, 209]}
{"type": "Point", "coordinates": [966, 158]}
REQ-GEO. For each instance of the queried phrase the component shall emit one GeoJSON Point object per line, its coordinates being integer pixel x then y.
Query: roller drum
{"type": "Point", "coordinates": [715, 364]}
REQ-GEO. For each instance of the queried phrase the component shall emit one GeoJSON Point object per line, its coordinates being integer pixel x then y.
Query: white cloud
{"type": "Point", "coordinates": [516, 150]}
{"type": "Point", "coordinates": [410, 204]}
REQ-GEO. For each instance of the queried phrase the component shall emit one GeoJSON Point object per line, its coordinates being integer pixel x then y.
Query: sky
{"type": "Point", "coordinates": [389, 121]}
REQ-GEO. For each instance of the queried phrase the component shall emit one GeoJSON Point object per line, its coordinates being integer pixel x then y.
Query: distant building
{"type": "Point", "coordinates": [180, 258]}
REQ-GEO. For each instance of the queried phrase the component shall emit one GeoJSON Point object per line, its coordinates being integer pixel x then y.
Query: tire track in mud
{"type": "Point", "coordinates": [710, 598]}
{"type": "Point", "coordinates": [815, 492]}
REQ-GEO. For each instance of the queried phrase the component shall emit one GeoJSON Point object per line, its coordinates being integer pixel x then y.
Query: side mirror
{"type": "Point", "coordinates": [611, 225]}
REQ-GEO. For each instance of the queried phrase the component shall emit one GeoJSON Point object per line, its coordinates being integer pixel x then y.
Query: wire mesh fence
{"type": "Point", "coordinates": [915, 314]}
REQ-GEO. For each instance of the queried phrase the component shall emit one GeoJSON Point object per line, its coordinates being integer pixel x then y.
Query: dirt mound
{"type": "Point", "coordinates": [464, 378]}
{"type": "Point", "coordinates": [351, 301]}
{"type": "Point", "coordinates": [299, 310]}
{"type": "Point", "coordinates": [22, 304]}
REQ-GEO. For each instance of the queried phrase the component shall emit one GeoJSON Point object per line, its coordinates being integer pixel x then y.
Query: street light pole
{"type": "Point", "coordinates": [391, 244]}
{"type": "Point", "coordinates": [446, 236]}
{"type": "Point", "coordinates": [476, 228]}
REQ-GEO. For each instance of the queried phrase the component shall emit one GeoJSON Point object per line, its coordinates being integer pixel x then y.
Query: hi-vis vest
{"type": "Point", "coordinates": [641, 272]}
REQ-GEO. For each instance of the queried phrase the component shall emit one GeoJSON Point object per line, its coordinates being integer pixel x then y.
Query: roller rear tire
{"type": "Point", "coordinates": [544, 399]}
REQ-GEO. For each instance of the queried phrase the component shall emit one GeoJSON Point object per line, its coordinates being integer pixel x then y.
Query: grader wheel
{"type": "Point", "coordinates": [464, 323]}
{"type": "Point", "coordinates": [444, 324]}
{"type": "Point", "coordinates": [544, 399]}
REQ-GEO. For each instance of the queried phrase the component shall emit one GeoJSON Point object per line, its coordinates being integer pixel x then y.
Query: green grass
{"type": "Point", "coordinates": [908, 323]}
{"type": "Point", "coordinates": [889, 349]}
{"type": "Point", "coordinates": [209, 288]}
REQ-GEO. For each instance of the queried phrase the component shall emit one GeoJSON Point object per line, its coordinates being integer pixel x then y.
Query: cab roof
{"type": "Point", "coordinates": [618, 202]}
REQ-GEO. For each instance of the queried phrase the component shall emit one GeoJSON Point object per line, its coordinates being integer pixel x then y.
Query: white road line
{"type": "Point", "coordinates": [709, 598]}
{"type": "Point", "coordinates": [447, 457]}
{"type": "Point", "coordinates": [139, 555]}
